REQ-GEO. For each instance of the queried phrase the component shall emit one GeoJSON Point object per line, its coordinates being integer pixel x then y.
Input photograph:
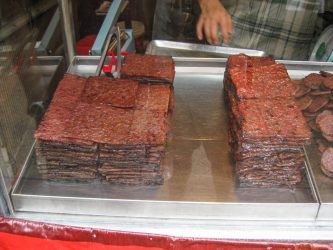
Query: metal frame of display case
{"type": "Point", "coordinates": [268, 220]}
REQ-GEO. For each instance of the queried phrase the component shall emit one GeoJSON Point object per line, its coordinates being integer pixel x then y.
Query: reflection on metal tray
{"type": "Point", "coordinates": [169, 48]}
{"type": "Point", "coordinates": [200, 181]}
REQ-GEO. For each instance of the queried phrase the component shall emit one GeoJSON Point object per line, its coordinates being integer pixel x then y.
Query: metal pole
{"type": "Point", "coordinates": [68, 29]}
{"type": "Point", "coordinates": [109, 22]}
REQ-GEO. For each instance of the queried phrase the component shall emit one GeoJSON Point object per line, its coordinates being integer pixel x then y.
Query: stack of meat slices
{"type": "Point", "coordinates": [61, 156]}
{"type": "Point", "coordinates": [314, 95]}
{"type": "Point", "coordinates": [139, 159]}
{"type": "Point", "coordinates": [102, 128]}
{"type": "Point", "coordinates": [266, 127]}
{"type": "Point", "coordinates": [148, 68]}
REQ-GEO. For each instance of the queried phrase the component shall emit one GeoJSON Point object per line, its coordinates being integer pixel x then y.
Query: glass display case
{"type": "Point", "coordinates": [200, 188]}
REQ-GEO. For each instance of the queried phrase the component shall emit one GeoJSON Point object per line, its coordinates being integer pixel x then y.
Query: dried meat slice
{"type": "Point", "coordinates": [268, 118]}
{"type": "Point", "coordinates": [317, 103]}
{"type": "Point", "coordinates": [100, 123]}
{"type": "Point", "coordinates": [153, 98]}
{"type": "Point", "coordinates": [304, 102]}
{"type": "Point", "coordinates": [328, 82]}
{"type": "Point", "coordinates": [313, 80]}
{"type": "Point", "coordinates": [148, 68]}
{"type": "Point", "coordinates": [245, 61]}
{"type": "Point", "coordinates": [115, 92]}
{"type": "Point", "coordinates": [325, 122]}
{"type": "Point", "coordinates": [254, 84]}
{"type": "Point", "coordinates": [327, 162]}
{"type": "Point", "coordinates": [148, 128]}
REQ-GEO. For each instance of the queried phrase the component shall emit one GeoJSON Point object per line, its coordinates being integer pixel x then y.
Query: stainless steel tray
{"type": "Point", "coordinates": [169, 48]}
{"type": "Point", "coordinates": [200, 181]}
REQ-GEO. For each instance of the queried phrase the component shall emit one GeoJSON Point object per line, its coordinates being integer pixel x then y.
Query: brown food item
{"type": "Point", "coordinates": [304, 102]}
{"type": "Point", "coordinates": [297, 82]}
{"type": "Point", "coordinates": [301, 91]}
{"type": "Point", "coordinates": [329, 105]}
{"type": "Point", "coordinates": [268, 118]}
{"type": "Point", "coordinates": [328, 137]}
{"type": "Point", "coordinates": [266, 127]}
{"type": "Point", "coordinates": [148, 68]}
{"type": "Point", "coordinates": [313, 80]}
{"type": "Point", "coordinates": [243, 61]}
{"type": "Point", "coordinates": [100, 123]}
{"type": "Point", "coordinates": [148, 128]}
{"type": "Point", "coordinates": [310, 116]}
{"type": "Point", "coordinates": [153, 97]}
{"type": "Point", "coordinates": [327, 162]}
{"type": "Point", "coordinates": [328, 82]}
{"type": "Point", "coordinates": [115, 92]}
{"type": "Point", "coordinates": [322, 144]}
{"type": "Point", "coordinates": [253, 84]}
{"type": "Point", "coordinates": [325, 73]}
{"type": "Point", "coordinates": [318, 92]}
{"type": "Point", "coordinates": [104, 121]}
{"type": "Point", "coordinates": [325, 123]}
{"type": "Point", "coordinates": [317, 104]}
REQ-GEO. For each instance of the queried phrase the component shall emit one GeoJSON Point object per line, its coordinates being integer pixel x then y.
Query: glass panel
{"type": "Point", "coordinates": [25, 78]}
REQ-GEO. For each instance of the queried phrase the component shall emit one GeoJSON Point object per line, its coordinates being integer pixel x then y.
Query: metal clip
{"type": "Point", "coordinates": [113, 31]}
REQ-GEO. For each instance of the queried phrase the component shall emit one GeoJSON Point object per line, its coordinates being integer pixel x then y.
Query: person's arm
{"type": "Point", "coordinates": [213, 16]}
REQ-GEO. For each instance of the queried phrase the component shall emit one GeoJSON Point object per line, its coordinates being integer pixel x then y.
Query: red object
{"type": "Point", "coordinates": [84, 45]}
{"type": "Point", "coordinates": [113, 61]}
{"type": "Point", "coordinates": [30, 234]}
{"type": "Point", "coordinates": [15, 242]}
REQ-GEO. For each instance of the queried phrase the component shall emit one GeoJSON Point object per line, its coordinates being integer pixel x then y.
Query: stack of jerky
{"type": "Point", "coordinates": [103, 128]}
{"type": "Point", "coordinates": [266, 128]}
{"type": "Point", "coordinates": [59, 155]}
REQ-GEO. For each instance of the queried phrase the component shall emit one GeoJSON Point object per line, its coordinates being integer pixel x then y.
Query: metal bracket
{"type": "Point", "coordinates": [113, 31]}
{"type": "Point", "coordinates": [109, 22]}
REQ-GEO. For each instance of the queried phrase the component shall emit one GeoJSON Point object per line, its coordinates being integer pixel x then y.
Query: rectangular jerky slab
{"type": "Point", "coordinates": [148, 68]}
{"type": "Point", "coordinates": [100, 123]}
{"type": "Point", "coordinates": [115, 92]}
{"type": "Point", "coordinates": [153, 97]}
{"type": "Point", "coordinates": [263, 82]}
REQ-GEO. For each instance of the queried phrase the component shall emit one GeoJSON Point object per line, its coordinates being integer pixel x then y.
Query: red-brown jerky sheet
{"type": "Point", "coordinates": [147, 128]}
{"type": "Point", "coordinates": [59, 113]}
{"type": "Point", "coordinates": [273, 118]}
{"type": "Point", "coordinates": [261, 82]}
{"type": "Point", "coordinates": [100, 123]}
{"type": "Point", "coordinates": [148, 68]}
{"type": "Point", "coordinates": [153, 97]}
{"type": "Point", "coordinates": [115, 92]}
{"type": "Point", "coordinates": [243, 61]}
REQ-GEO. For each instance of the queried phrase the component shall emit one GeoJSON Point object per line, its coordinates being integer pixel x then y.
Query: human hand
{"type": "Point", "coordinates": [213, 17]}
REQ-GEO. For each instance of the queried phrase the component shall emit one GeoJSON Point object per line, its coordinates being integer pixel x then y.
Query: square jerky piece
{"type": "Point", "coordinates": [115, 92]}
{"type": "Point", "coordinates": [273, 119]}
{"type": "Point", "coordinates": [153, 97]}
{"type": "Point", "coordinates": [244, 61]}
{"type": "Point", "coordinates": [60, 110]}
{"type": "Point", "coordinates": [148, 68]}
{"type": "Point", "coordinates": [148, 128]}
{"type": "Point", "coordinates": [263, 82]}
{"type": "Point", "coordinates": [100, 123]}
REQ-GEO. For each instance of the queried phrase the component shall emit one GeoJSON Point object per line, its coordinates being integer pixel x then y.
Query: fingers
{"type": "Point", "coordinates": [227, 29]}
{"type": "Point", "coordinates": [208, 33]}
{"type": "Point", "coordinates": [199, 28]}
{"type": "Point", "coordinates": [211, 27]}
{"type": "Point", "coordinates": [214, 37]}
